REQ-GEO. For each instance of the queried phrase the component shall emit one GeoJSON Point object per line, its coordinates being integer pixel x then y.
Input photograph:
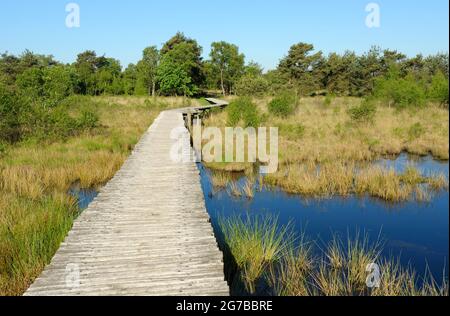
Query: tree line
{"type": "Point", "coordinates": [34, 87]}
{"type": "Point", "coordinates": [178, 69]}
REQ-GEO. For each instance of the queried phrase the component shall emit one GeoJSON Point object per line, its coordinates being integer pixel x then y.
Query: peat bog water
{"type": "Point", "coordinates": [417, 232]}
{"type": "Point", "coordinates": [84, 197]}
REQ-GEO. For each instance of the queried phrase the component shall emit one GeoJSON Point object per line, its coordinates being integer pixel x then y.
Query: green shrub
{"type": "Point", "coordinates": [88, 119]}
{"type": "Point", "coordinates": [438, 90]}
{"type": "Point", "coordinates": [10, 110]}
{"type": "Point", "coordinates": [283, 105]}
{"type": "Point", "coordinates": [401, 92]}
{"type": "Point", "coordinates": [243, 109]}
{"type": "Point", "coordinates": [365, 112]}
{"type": "Point", "coordinates": [250, 85]}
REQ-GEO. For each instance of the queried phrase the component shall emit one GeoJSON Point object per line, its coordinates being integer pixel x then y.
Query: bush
{"type": "Point", "coordinates": [252, 86]}
{"type": "Point", "coordinates": [10, 107]}
{"type": "Point", "coordinates": [438, 90]}
{"type": "Point", "coordinates": [243, 109]}
{"type": "Point", "coordinates": [283, 105]}
{"type": "Point", "coordinates": [401, 92]}
{"type": "Point", "coordinates": [87, 120]}
{"type": "Point", "coordinates": [365, 112]}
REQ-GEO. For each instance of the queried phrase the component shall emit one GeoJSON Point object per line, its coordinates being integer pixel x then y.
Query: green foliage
{"type": "Point", "coordinates": [301, 66]}
{"type": "Point", "coordinates": [243, 109]}
{"type": "Point", "coordinates": [146, 71]}
{"type": "Point", "coordinates": [87, 120]}
{"type": "Point", "coordinates": [228, 63]}
{"type": "Point", "coordinates": [365, 112]}
{"type": "Point", "coordinates": [185, 53]}
{"type": "Point", "coordinates": [438, 90]}
{"type": "Point", "coordinates": [10, 112]}
{"type": "Point", "coordinates": [250, 85]}
{"type": "Point", "coordinates": [283, 105]}
{"type": "Point", "coordinates": [179, 72]}
{"type": "Point", "coordinates": [400, 92]}
{"type": "Point", "coordinates": [174, 80]}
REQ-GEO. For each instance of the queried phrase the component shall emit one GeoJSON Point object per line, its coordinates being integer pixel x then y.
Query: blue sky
{"type": "Point", "coordinates": [263, 29]}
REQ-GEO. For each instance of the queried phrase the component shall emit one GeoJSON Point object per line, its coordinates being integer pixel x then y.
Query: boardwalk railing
{"type": "Point", "coordinates": [146, 233]}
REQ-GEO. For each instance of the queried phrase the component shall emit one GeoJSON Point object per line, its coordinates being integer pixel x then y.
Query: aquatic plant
{"type": "Point", "coordinates": [286, 263]}
{"type": "Point", "coordinates": [254, 244]}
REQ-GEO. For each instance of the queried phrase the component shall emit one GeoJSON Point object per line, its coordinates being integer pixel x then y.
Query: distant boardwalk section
{"type": "Point", "coordinates": [146, 233]}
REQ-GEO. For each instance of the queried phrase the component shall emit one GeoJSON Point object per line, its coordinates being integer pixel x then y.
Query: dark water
{"type": "Point", "coordinates": [416, 232]}
{"type": "Point", "coordinates": [83, 196]}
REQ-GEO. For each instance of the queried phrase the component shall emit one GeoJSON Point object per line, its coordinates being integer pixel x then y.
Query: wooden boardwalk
{"type": "Point", "coordinates": [146, 233]}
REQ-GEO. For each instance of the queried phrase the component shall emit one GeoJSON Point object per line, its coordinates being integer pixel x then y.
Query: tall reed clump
{"type": "Point", "coordinates": [271, 259]}
{"type": "Point", "coordinates": [254, 244]}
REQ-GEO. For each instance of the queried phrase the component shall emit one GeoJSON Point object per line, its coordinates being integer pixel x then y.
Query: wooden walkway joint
{"type": "Point", "coordinates": [146, 233]}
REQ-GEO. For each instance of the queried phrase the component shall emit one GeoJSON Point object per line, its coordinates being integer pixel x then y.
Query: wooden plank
{"type": "Point", "coordinates": [146, 233]}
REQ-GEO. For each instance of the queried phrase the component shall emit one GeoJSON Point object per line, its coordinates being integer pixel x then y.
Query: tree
{"type": "Point", "coordinates": [86, 66]}
{"type": "Point", "coordinates": [228, 62]}
{"type": "Point", "coordinates": [107, 75]}
{"type": "Point", "coordinates": [301, 67]}
{"type": "Point", "coordinates": [338, 73]}
{"type": "Point", "coordinates": [31, 83]}
{"type": "Point", "coordinates": [185, 51]}
{"type": "Point", "coordinates": [182, 60]}
{"type": "Point", "coordinates": [253, 69]}
{"type": "Point", "coordinates": [147, 69]}
{"type": "Point", "coordinates": [178, 39]}
{"type": "Point", "coordinates": [58, 83]}
{"type": "Point", "coordinates": [10, 108]}
{"type": "Point", "coordinates": [174, 80]}
{"type": "Point", "coordinates": [129, 79]}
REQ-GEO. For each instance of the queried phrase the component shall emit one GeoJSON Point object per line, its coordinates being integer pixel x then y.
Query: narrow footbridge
{"type": "Point", "coordinates": [146, 233]}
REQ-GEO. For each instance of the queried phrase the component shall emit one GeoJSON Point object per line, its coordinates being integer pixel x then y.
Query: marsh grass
{"type": "Point", "coordinates": [234, 189]}
{"type": "Point", "coordinates": [35, 210]}
{"type": "Point", "coordinates": [254, 244]}
{"type": "Point", "coordinates": [324, 153]}
{"type": "Point", "coordinates": [343, 179]}
{"type": "Point", "coordinates": [285, 264]}
{"type": "Point", "coordinates": [249, 188]}
{"type": "Point", "coordinates": [220, 179]}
